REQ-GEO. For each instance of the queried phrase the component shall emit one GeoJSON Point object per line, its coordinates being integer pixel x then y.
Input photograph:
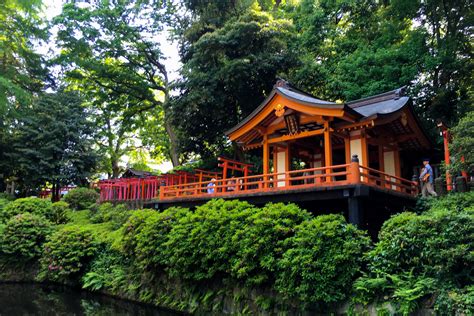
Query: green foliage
{"type": "Point", "coordinates": [107, 271]}
{"type": "Point", "coordinates": [52, 143]}
{"type": "Point", "coordinates": [107, 212]}
{"type": "Point", "coordinates": [199, 245]}
{"type": "Point", "coordinates": [259, 241]}
{"type": "Point", "coordinates": [462, 144]}
{"type": "Point", "coordinates": [31, 205]}
{"type": "Point", "coordinates": [418, 255]}
{"type": "Point", "coordinates": [455, 301]}
{"type": "Point", "coordinates": [249, 50]}
{"type": "Point", "coordinates": [59, 212]}
{"type": "Point", "coordinates": [66, 254]}
{"type": "Point", "coordinates": [150, 241]}
{"type": "Point", "coordinates": [132, 229]}
{"type": "Point", "coordinates": [124, 78]}
{"type": "Point", "coordinates": [323, 256]}
{"type": "Point", "coordinates": [81, 198]}
{"type": "Point", "coordinates": [406, 290]}
{"type": "Point", "coordinates": [24, 235]}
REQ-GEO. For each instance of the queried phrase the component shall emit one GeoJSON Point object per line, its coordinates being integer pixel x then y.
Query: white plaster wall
{"type": "Point", "coordinates": [356, 149]}
{"type": "Point", "coordinates": [281, 164]}
{"type": "Point", "coordinates": [389, 164]}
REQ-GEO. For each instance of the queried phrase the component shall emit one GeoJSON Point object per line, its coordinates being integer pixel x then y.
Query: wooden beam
{"type": "Point", "coordinates": [317, 119]}
{"type": "Point", "coordinates": [295, 136]}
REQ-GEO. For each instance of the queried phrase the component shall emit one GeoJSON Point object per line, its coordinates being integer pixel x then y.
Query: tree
{"type": "Point", "coordinates": [227, 73]}
{"type": "Point", "coordinates": [111, 52]}
{"type": "Point", "coordinates": [462, 145]}
{"type": "Point", "coordinates": [22, 71]}
{"type": "Point", "coordinates": [53, 143]}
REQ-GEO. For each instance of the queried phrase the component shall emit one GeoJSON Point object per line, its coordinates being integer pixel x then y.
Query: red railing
{"type": "Point", "coordinates": [292, 180]}
{"type": "Point", "coordinates": [127, 189]}
{"type": "Point", "coordinates": [384, 180]}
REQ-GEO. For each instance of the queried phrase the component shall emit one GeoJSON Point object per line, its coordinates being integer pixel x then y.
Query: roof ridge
{"type": "Point", "coordinates": [282, 83]}
{"type": "Point", "coordinates": [389, 95]}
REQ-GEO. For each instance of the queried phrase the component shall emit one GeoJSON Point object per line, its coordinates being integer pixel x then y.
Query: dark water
{"type": "Point", "coordinates": [30, 299]}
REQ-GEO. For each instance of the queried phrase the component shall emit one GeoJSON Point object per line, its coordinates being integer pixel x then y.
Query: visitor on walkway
{"type": "Point", "coordinates": [427, 179]}
{"type": "Point", "coordinates": [211, 186]}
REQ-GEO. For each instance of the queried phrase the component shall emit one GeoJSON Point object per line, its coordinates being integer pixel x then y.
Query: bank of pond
{"type": "Point", "coordinates": [232, 257]}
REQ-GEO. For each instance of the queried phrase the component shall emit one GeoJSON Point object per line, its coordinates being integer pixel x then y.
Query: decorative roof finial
{"type": "Point", "coordinates": [282, 83]}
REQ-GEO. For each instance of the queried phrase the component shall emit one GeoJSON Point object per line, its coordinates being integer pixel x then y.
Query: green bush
{"type": "Point", "coordinates": [24, 235]}
{"type": "Point", "coordinates": [66, 253]}
{"type": "Point", "coordinates": [150, 241]}
{"type": "Point", "coordinates": [132, 229]}
{"type": "Point", "coordinates": [107, 212]}
{"type": "Point", "coordinates": [31, 205]}
{"type": "Point", "coordinates": [258, 241]}
{"type": "Point", "coordinates": [81, 198]}
{"type": "Point", "coordinates": [417, 254]}
{"type": "Point", "coordinates": [199, 245]}
{"type": "Point", "coordinates": [320, 260]}
{"type": "Point", "coordinates": [58, 213]}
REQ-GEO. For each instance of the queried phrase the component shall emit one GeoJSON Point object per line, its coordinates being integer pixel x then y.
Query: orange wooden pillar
{"type": "Point", "coordinates": [327, 148]}
{"type": "Point", "coordinates": [347, 149]}
{"type": "Point", "coordinates": [447, 159]}
{"type": "Point", "coordinates": [266, 158]}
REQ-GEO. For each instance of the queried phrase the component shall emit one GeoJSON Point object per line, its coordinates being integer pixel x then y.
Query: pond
{"type": "Point", "coordinates": [31, 299]}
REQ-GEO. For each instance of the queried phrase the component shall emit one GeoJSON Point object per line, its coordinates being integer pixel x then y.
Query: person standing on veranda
{"type": "Point", "coordinates": [427, 179]}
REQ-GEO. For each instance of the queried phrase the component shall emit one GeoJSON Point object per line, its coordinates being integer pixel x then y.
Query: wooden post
{"type": "Point", "coordinates": [347, 149]}
{"type": "Point", "coordinates": [266, 154]}
{"type": "Point", "coordinates": [224, 170]}
{"type": "Point", "coordinates": [327, 149]}
{"type": "Point", "coordinates": [354, 171]}
{"type": "Point", "coordinates": [447, 159]}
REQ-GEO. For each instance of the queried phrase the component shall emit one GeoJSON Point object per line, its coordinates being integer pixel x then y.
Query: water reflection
{"type": "Point", "coordinates": [30, 299]}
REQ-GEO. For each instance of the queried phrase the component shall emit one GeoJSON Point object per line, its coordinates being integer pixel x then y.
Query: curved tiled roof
{"type": "Point", "coordinates": [381, 104]}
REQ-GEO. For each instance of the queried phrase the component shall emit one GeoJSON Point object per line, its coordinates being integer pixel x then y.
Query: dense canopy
{"type": "Point", "coordinates": [99, 75]}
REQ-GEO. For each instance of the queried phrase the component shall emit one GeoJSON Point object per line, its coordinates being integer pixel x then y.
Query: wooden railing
{"type": "Point", "coordinates": [384, 180]}
{"type": "Point", "coordinates": [292, 180]}
{"type": "Point", "coordinates": [129, 189]}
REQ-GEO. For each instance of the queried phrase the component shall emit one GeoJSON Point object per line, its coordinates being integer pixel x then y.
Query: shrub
{"type": "Point", "coordinates": [107, 212]}
{"type": "Point", "coordinates": [132, 229]}
{"type": "Point", "coordinates": [58, 213]}
{"type": "Point", "coordinates": [417, 254]}
{"type": "Point", "coordinates": [200, 244]}
{"type": "Point", "coordinates": [320, 260]}
{"type": "Point", "coordinates": [259, 240]}
{"type": "Point", "coordinates": [150, 241]}
{"type": "Point", "coordinates": [81, 198]}
{"type": "Point", "coordinates": [31, 205]}
{"type": "Point", "coordinates": [66, 253]}
{"type": "Point", "coordinates": [436, 244]}
{"type": "Point", "coordinates": [24, 235]}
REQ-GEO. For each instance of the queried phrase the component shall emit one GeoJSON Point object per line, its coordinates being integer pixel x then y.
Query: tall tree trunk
{"type": "Point", "coordinates": [115, 167]}
{"type": "Point", "coordinates": [173, 143]}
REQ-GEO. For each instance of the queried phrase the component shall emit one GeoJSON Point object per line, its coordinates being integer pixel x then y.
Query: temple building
{"type": "Point", "coordinates": [357, 157]}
